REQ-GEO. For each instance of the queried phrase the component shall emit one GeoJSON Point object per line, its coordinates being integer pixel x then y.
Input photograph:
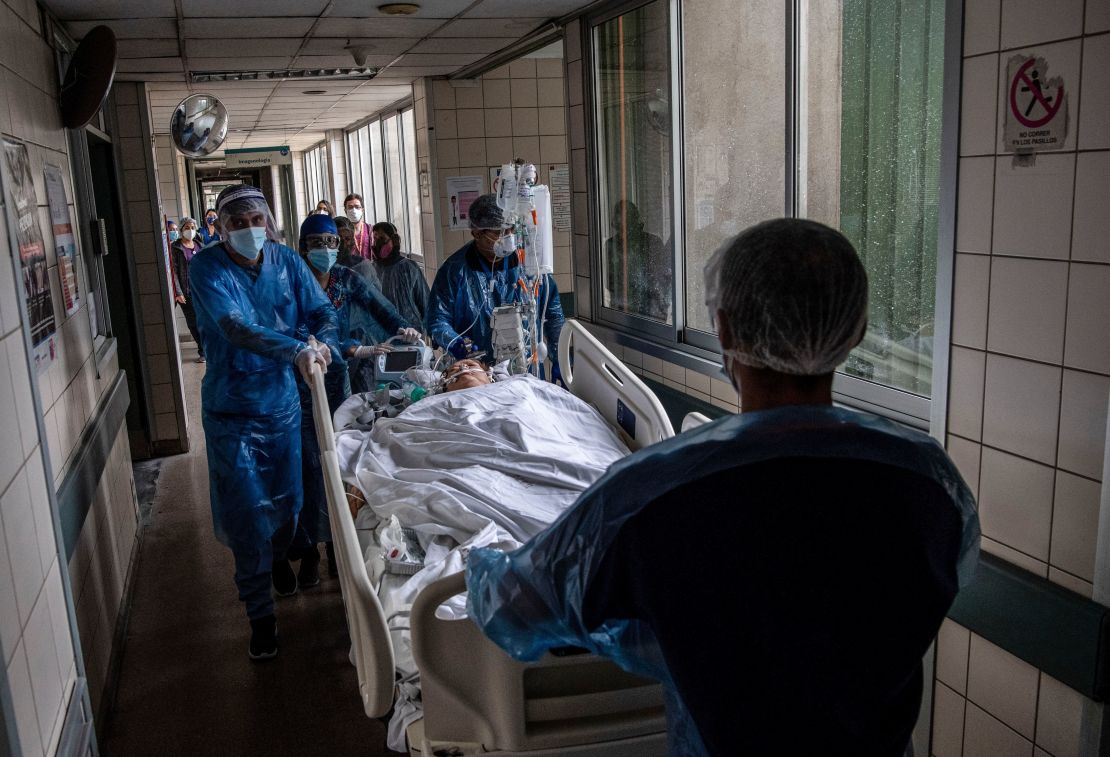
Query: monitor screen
{"type": "Point", "coordinates": [399, 361]}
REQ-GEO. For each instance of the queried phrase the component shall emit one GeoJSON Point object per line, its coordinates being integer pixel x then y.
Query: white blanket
{"type": "Point", "coordinates": [487, 466]}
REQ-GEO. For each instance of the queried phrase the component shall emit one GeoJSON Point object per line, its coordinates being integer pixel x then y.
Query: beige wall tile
{"type": "Point", "coordinates": [443, 94]}
{"type": "Point", "coordinates": [1090, 239]}
{"type": "Point", "coordinates": [1059, 715]}
{"type": "Point", "coordinates": [985, 736]}
{"type": "Point", "coordinates": [446, 125]}
{"type": "Point", "coordinates": [1098, 16]}
{"type": "Point", "coordinates": [447, 153]}
{"type": "Point", "coordinates": [1071, 583]}
{"type": "Point", "coordinates": [969, 301]}
{"type": "Point", "coordinates": [553, 121]}
{"type": "Point", "coordinates": [523, 68]}
{"type": "Point", "coordinates": [472, 152]}
{"type": "Point", "coordinates": [550, 93]}
{"type": "Point", "coordinates": [1021, 407]}
{"type": "Point", "coordinates": [948, 722]}
{"type": "Point", "coordinates": [965, 454]}
{"type": "Point", "coordinates": [978, 104]}
{"type": "Point", "coordinates": [549, 68]}
{"type": "Point", "coordinates": [499, 150]}
{"type": "Point", "coordinates": [1029, 301]}
{"type": "Point", "coordinates": [1088, 315]}
{"type": "Point", "coordinates": [469, 97]}
{"type": "Point", "coordinates": [953, 642]}
{"type": "Point", "coordinates": [1015, 502]}
{"type": "Point", "coordinates": [1083, 409]}
{"type": "Point", "coordinates": [1030, 22]}
{"type": "Point", "coordinates": [1075, 519]}
{"type": "Point", "coordinates": [23, 703]}
{"type": "Point", "coordinates": [965, 393]}
{"type": "Point", "coordinates": [470, 123]}
{"type": "Point", "coordinates": [1094, 131]}
{"type": "Point", "coordinates": [981, 25]}
{"type": "Point", "coordinates": [973, 226]}
{"type": "Point", "coordinates": [496, 93]}
{"type": "Point", "coordinates": [553, 149]}
{"type": "Point", "coordinates": [1047, 233]}
{"type": "Point", "coordinates": [526, 147]}
{"type": "Point", "coordinates": [499, 121]}
{"type": "Point", "coordinates": [674, 372]}
{"type": "Point", "coordinates": [525, 122]}
{"type": "Point", "coordinates": [1003, 685]}
{"type": "Point", "coordinates": [522, 93]}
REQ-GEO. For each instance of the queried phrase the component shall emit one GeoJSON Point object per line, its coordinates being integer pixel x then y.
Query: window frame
{"type": "Point", "coordinates": [685, 345]}
{"type": "Point", "coordinates": [314, 163]}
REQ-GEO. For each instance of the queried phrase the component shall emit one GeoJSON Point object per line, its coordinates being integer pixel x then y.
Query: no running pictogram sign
{"type": "Point", "coordinates": [1036, 109]}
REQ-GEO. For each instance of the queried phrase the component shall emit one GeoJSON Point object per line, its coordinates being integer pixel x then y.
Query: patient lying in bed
{"type": "Point", "coordinates": [484, 464]}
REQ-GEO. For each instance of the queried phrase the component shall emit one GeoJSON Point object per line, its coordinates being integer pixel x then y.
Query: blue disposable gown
{"type": "Point", "coordinates": [248, 320]}
{"type": "Point", "coordinates": [462, 301]}
{"type": "Point", "coordinates": [354, 301]}
{"type": "Point", "coordinates": [799, 573]}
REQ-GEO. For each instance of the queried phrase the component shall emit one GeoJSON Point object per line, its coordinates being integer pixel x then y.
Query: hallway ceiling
{"type": "Point", "coordinates": [161, 41]}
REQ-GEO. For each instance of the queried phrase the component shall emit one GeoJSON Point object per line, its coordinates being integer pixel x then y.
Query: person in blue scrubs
{"type": "Point", "coordinates": [354, 301]}
{"type": "Point", "coordinates": [209, 229]}
{"type": "Point", "coordinates": [479, 277]}
{"type": "Point", "coordinates": [781, 571]}
{"type": "Point", "coordinates": [253, 296]}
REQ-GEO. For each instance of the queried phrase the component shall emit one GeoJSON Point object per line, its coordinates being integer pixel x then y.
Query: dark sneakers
{"type": "Point", "coordinates": [285, 582]}
{"type": "Point", "coordinates": [264, 645]}
{"type": "Point", "coordinates": [308, 575]}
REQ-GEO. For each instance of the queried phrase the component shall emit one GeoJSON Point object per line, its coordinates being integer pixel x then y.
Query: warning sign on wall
{"type": "Point", "coordinates": [1036, 106]}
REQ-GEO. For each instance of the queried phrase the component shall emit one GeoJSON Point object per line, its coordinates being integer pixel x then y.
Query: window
{"type": "Point", "coordinates": [382, 162]}
{"type": "Point", "coordinates": [315, 177]}
{"type": "Point", "coordinates": [834, 114]}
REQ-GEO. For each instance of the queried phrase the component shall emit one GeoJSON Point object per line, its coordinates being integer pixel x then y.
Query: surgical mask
{"type": "Point", "coordinates": [322, 212]}
{"type": "Point", "coordinates": [384, 251]}
{"type": "Point", "coordinates": [211, 220]}
{"type": "Point", "coordinates": [323, 260]}
{"type": "Point", "coordinates": [505, 246]}
{"type": "Point", "coordinates": [189, 234]}
{"type": "Point", "coordinates": [248, 242]}
{"type": "Point", "coordinates": [174, 236]}
{"type": "Point", "coordinates": [354, 214]}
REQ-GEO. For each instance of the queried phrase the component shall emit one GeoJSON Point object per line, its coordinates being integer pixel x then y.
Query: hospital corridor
{"type": "Point", "coordinates": [542, 378]}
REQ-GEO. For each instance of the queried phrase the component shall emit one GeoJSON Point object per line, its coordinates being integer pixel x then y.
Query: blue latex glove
{"type": "Point", "coordinates": [557, 375]}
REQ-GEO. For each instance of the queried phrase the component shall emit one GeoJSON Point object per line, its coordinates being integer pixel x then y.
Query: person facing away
{"type": "Point", "coordinates": [637, 269]}
{"type": "Point", "coordinates": [181, 254]}
{"type": "Point", "coordinates": [781, 571]}
{"type": "Point", "coordinates": [480, 276]}
{"type": "Point", "coordinates": [253, 296]}
{"type": "Point", "coordinates": [208, 231]}
{"type": "Point", "coordinates": [360, 243]}
{"type": "Point", "coordinates": [325, 207]}
{"type": "Point", "coordinates": [346, 292]}
{"type": "Point", "coordinates": [398, 276]}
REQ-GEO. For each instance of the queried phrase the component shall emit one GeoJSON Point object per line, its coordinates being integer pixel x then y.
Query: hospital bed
{"type": "Point", "coordinates": [476, 699]}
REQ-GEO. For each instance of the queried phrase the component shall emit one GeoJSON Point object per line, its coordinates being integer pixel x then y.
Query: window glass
{"type": "Point", "coordinates": [377, 170]}
{"type": "Point", "coordinates": [414, 242]}
{"type": "Point", "coordinates": [391, 128]}
{"type": "Point", "coordinates": [734, 138]}
{"type": "Point", "coordinates": [635, 170]}
{"type": "Point", "coordinates": [869, 164]}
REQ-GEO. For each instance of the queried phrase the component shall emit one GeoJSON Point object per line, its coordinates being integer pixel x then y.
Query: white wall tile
{"type": "Point", "coordinates": [525, 122]}
{"type": "Point", "coordinates": [1094, 129]}
{"type": "Point", "coordinates": [1088, 315]}
{"type": "Point", "coordinates": [446, 126]}
{"type": "Point", "coordinates": [981, 24]}
{"type": "Point", "coordinates": [1027, 308]}
{"type": "Point", "coordinates": [985, 736]}
{"type": "Point", "coordinates": [11, 455]}
{"type": "Point", "coordinates": [1021, 406]}
{"type": "Point", "coordinates": [550, 93]}
{"type": "Point", "coordinates": [526, 147]}
{"type": "Point", "coordinates": [553, 121]}
{"type": "Point", "coordinates": [1090, 239]}
{"type": "Point", "coordinates": [499, 122]}
{"type": "Point", "coordinates": [523, 68]}
{"type": "Point", "coordinates": [496, 93]}
{"type": "Point", "coordinates": [42, 662]}
{"type": "Point", "coordinates": [469, 97]}
{"type": "Point", "coordinates": [1032, 207]}
{"type": "Point", "coordinates": [965, 393]}
{"type": "Point", "coordinates": [978, 102]}
{"type": "Point", "coordinates": [1011, 555]}
{"type": "Point", "coordinates": [23, 550]}
{"type": "Point", "coordinates": [59, 623]}
{"type": "Point", "coordinates": [523, 93]}
{"type": "Point", "coordinates": [952, 655]}
{"type": "Point", "coordinates": [966, 455]}
{"type": "Point", "coordinates": [1059, 715]}
{"type": "Point", "coordinates": [470, 123]}
{"type": "Point", "coordinates": [970, 295]}
{"type": "Point", "coordinates": [948, 722]}
{"type": "Point", "coordinates": [1061, 59]}
{"type": "Point", "coordinates": [1098, 16]}
{"type": "Point", "coordinates": [1015, 502]}
{"type": "Point", "coordinates": [40, 506]}
{"type": "Point", "coordinates": [443, 94]}
{"type": "Point", "coordinates": [1031, 22]}
{"type": "Point", "coordinates": [1003, 685]}
{"type": "Point", "coordinates": [447, 153]}
{"type": "Point", "coordinates": [973, 227]}
{"type": "Point", "coordinates": [10, 626]}
{"type": "Point", "coordinates": [23, 702]}
{"type": "Point", "coordinates": [1075, 525]}
{"type": "Point", "coordinates": [1071, 583]}
{"type": "Point", "coordinates": [1083, 409]}
{"type": "Point", "coordinates": [472, 152]}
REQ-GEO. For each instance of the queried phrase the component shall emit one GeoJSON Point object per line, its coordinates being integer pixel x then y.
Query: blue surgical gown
{"type": "Point", "coordinates": [248, 319]}
{"type": "Point", "coordinates": [782, 572]}
{"type": "Point", "coordinates": [466, 290]}
{"type": "Point", "coordinates": [355, 302]}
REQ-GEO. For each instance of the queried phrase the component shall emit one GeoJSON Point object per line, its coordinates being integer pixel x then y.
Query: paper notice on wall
{"type": "Point", "coordinates": [32, 253]}
{"type": "Point", "coordinates": [559, 180]}
{"type": "Point", "coordinates": [65, 243]}
{"type": "Point", "coordinates": [461, 191]}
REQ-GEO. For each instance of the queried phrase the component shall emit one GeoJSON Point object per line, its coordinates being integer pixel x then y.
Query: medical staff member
{"type": "Point", "coordinates": [398, 276]}
{"type": "Point", "coordinates": [252, 295]}
{"type": "Point", "coordinates": [354, 302]}
{"type": "Point", "coordinates": [479, 277]}
{"type": "Point", "coordinates": [352, 208]}
{"type": "Point", "coordinates": [782, 571]}
{"type": "Point", "coordinates": [208, 231]}
{"type": "Point", "coordinates": [182, 251]}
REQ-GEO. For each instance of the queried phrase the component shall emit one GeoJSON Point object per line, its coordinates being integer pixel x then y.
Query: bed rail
{"type": "Point", "coordinates": [370, 643]}
{"type": "Point", "coordinates": [599, 378]}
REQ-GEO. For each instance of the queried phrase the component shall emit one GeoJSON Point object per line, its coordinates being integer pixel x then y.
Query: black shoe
{"type": "Point", "coordinates": [333, 568]}
{"type": "Point", "coordinates": [309, 573]}
{"type": "Point", "coordinates": [285, 582]}
{"type": "Point", "coordinates": [264, 645]}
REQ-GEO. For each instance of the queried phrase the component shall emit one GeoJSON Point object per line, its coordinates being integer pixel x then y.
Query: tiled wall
{"type": "Point", "coordinates": [1030, 373]}
{"type": "Point", "coordinates": [425, 169]}
{"type": "Point", "coordinates": [517, 110]}
{"type": "Point", "coordinates": [34, 631]}
{"type": "Point", "coordinates": [175, 203]}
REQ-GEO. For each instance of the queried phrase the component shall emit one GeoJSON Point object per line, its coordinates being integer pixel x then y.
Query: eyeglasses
{"type": "Point", "coordinates": [321, 241]}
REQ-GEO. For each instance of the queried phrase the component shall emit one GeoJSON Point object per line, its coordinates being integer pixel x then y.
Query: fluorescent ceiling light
{"type": "Point", "coordinates": [362, 72]}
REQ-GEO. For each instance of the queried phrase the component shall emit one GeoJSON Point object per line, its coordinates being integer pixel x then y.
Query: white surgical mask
{"type": "Point", "coordinates": [248, 242]}
{"type": "Point", "coordinates": [188, 234]}
{"type": "Point", "coordinates": [505, 246]}
{"type": "Point", "coordinates": [354, 214]}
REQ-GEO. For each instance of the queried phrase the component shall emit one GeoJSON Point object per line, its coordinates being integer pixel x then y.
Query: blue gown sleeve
{"type": "Point", "coordinates": [379, 308]}
{"type": "Point", "coordinates": [437, 319]}
{"type": "Point", "coordinates": [211, 293]}
{"type": "Point", "coordinates": [553, 319]}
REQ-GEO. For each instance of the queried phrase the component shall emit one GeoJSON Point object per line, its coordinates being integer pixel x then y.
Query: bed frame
{"type": "Point", "coordinates": [476, 698]}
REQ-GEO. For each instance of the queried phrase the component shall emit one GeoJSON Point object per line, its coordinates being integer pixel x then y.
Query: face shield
{"type": "Point", "coordinates": [245, 220]}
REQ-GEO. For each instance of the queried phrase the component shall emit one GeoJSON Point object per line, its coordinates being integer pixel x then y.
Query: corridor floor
{"type": "Point", "coordinates": [186, 686]}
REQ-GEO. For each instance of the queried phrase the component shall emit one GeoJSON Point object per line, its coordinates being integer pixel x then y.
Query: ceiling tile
{"type": "Point", "coordinates": [125, 28]}
{"type": "Point", "coordinates": [341, 61]}
{"type": "Point", "coordinates": [251, 8]}
{"type": "Point", "coordinates": [146, 76]}
{"type": "Point", "coordinates": [450, 45]}
{"type": "Point", "coordinates": [146, 48]}
{"type": "Point", "coordinates": [393, 46]}
{"type": "Point", "coordinates": [261, 47]}
{"type": "Point", "coordinates": [510, 8]}
{"type": "Point", "coordinates": [237, 64]}
{"type": "Point", "coordinates": [509, 28]}
{"type": "Point", "coordinates": [131, 65]}
{"type": "Point", "coordinates": [119, 9]}
{"type": "Point", "coordinates": [243, 28]}
{"type": "Point", "coordinates": [428, 9]}
{"type": "Point", "coordinates": [378, 27]}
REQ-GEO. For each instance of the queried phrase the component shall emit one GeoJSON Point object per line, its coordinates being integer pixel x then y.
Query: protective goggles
{"type": "Point", "coordinates": [321, 241]}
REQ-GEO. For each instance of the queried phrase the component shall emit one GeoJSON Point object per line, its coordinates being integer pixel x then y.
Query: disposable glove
{"type": "Point", "coordinates": [409, 335]}
{"type": "Point", "coordinates": [370, 350]}
{"type": "Point", "coordinates": [304, 361]}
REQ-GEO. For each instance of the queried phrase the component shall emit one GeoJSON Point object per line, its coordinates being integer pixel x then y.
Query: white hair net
{"type": "Point", "coordinates": [243, 198]}
{"type": "Point", "coordinates": [794, 293]}
{"type": "Point", "coordinates": [485, 214]}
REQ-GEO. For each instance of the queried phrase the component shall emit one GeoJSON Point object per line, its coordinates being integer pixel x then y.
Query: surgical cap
{"type": "Point", "coordinates": [794, 293]}
{"type": "Point", "coordinates": [484, 213]}
{"type": "Point", "coordinates": [318, 224]}
{"type": "Point", "coordinates": [243, 198]}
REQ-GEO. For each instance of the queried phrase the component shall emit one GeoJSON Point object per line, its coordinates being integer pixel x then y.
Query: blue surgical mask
{"type": "Point", "coordinates": [248, 242]}
{"type": "Point", "coordinates": [174, 236]}
{"type": "Point", "coordinates": [323, 259]}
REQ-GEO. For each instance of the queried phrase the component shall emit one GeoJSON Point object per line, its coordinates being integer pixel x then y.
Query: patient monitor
{"type": "Point", "coordinates": [390, 368]}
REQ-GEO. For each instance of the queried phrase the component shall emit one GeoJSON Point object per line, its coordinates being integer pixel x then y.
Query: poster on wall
{"type": "Point", "coordinates": [65, 244]}
{"type": "Point", "coordinates": [32, 253]}
{"type": "Point", "coordinates": [461, 191]}
{"type": "Point", "coordinates": [559, 176]}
